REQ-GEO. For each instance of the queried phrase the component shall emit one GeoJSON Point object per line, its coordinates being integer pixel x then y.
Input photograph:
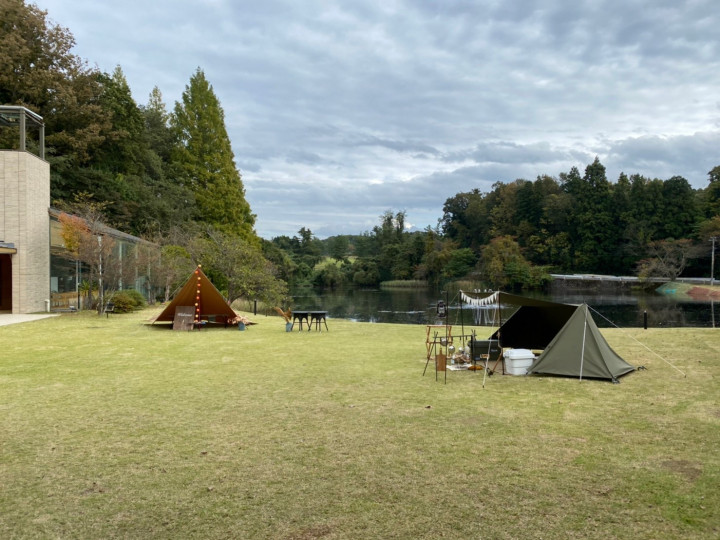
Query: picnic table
{"type": "Point", "coordinates": [310, 317]}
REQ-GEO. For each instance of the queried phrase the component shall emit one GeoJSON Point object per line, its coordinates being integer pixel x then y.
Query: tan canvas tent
{"type": "Point", "coordinates": [199, 293]}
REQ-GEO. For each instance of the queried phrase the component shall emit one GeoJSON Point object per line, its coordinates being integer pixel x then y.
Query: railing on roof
{"type": "Point", "coordinates": [14, 115]}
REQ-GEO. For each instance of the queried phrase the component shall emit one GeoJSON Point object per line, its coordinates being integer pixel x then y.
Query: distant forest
{"type": "Point", "coordinates": [156, 172]}
{"type": "Point", "coordinates": [517, 234]}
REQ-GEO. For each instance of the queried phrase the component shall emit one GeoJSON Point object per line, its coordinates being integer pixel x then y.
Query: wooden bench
{"type": "Point", "coordinates": [109, 308]}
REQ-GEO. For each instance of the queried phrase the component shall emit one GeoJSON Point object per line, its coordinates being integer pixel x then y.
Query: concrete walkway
{"type": "Point", "coordinates": [13, 318]}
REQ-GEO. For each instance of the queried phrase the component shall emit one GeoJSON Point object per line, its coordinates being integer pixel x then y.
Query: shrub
{"type": "Point", "coordinates": [123, 302]}
{"type": "Point", "coordinates": [137, 297]}
{"type": "Point", "coordinates": [128, 300]}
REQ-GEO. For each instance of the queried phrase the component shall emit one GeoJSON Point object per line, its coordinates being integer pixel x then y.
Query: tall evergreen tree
{"type": "Point", "coordinates": [158, 134]}
{"type": "Point", "coordinates": [593, 219]}
{"type": "Point", "coordinates": [206, 160]}
{"type": "Point", "coordinates": [712, 193]}
{"type": "Point", "coordinates": [122, 150]}
{"type": "Point", "coordinates": [173, 200]}
{"type": "Point", "coordinates": [681, 216]}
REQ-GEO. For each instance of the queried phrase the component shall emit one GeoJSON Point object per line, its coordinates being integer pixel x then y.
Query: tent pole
{"type": "Point", "coordinates": [487, 357]}
{"type": "Point", "coordinates": [447, 333]}
{"type": "Point", "coordinates": [462, 322]}
{"type": "Point", "coordinates": [485, 372]}
{"type": "Point", "coordinates": [582, 353]}
{"type": "Point", "coordinates": [499, 311]}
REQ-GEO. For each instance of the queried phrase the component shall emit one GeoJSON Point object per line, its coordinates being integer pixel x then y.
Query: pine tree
{"type": "Point", "coordinates": [206, 161]}
{"type": "Point", "coordinates": [124, 143]}
{"type": "Point", "coordinates": [157, 131]}
{"type": "Point", "coordinates": [172, 202]}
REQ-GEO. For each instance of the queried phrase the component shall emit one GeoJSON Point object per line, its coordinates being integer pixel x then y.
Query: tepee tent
{"type": "Point", "coordinates": [199, 293]}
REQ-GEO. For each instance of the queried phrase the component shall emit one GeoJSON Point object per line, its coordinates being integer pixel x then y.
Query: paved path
{"type": "Point", "coordinates": [13, 318]}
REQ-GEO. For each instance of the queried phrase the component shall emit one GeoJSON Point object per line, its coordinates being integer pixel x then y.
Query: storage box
{"type": "Point", "coordinates": [518, 361]}
{"type": "Point", "coordinates": [479, 349]}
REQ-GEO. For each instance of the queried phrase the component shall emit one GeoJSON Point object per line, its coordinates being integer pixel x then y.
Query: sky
{"type": "Point", "coordinates": [339, 111]}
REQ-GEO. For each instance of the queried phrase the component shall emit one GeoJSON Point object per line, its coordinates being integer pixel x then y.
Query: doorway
{"type": "Point", "coordinates": [5, 283]}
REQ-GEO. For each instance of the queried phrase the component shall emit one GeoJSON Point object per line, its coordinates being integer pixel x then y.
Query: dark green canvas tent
{"type": "Point", "coordinates": [579, 350]}
{"type": "Point", "coordinates": [568, 336]}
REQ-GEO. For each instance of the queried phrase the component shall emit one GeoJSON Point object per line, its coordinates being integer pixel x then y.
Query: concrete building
{"type": "Point", "coordinates": [24, 219]}
{"type": "Point", "coordinates": [35, 272]}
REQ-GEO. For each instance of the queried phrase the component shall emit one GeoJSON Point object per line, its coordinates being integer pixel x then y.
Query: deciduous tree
{"type": "Point", "coordinates": [238, 266]}
{"type": "Point", "coordinates": [85, 236]}
{"type": "Point", "coordinates": [39, 71]}
{"type": "Point", "coordinates": [668, 258]}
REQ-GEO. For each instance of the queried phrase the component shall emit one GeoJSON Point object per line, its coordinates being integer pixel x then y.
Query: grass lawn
{"type": "Point", "coordinates": [110, 428]}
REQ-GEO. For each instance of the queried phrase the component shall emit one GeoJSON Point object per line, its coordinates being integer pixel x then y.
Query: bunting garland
{"type": "Point", "coordinates": [481, 317]}
{"type": "Point", "coordinates": [487, 301]}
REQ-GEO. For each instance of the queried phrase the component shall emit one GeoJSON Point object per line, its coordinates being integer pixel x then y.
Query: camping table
{"type": "Point", "coordinates": [300, 316]}
{"type": "Point", "coordinates": [310, 317]}
{"type": "Point", "coordinates": [319, 318]}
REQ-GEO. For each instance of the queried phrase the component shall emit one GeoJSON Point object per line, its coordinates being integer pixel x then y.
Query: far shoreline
{"type": "Point", "coordinates": [688, 290]}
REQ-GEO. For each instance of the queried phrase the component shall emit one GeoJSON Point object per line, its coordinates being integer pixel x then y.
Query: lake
{"type": "Point", "coordinates": [418, 306]}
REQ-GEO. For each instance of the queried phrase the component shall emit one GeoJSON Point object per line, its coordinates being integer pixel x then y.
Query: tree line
{"type": "Point", "coordinates": [585, 223]}
{"type": "Point", "coordinates": [519, 232]}
{"type": "Point", "coordinates": [169, 175]}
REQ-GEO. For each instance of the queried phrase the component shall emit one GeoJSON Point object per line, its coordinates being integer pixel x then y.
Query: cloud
{"type": "Point", "coordinates": [690, 156]}
{"type": "Point", "coordinates": [339, 111]}
{"type": "Point", "coordinates": [509, 153]}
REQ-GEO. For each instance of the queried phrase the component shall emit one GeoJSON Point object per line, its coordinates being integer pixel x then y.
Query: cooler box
{"type": "Point", "coordinates": [518, 361]}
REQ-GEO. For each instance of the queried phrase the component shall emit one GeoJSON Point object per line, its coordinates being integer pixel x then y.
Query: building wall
{"type": "Point", "coordinates": [24, 221]}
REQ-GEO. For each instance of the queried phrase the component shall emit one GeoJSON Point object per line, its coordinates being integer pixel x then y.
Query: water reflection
{"type": "Point", "coordinates": [417, 306]}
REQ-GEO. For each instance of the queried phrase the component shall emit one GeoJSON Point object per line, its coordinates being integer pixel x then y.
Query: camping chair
{"type": "Point", "coordinates": [485, 350]}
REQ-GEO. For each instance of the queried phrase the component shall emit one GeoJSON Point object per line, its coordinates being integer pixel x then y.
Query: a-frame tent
{"type": "Point", "coordinates": [570, 340]}
{"type": "Point", "coordinates": [200, 294]}
{"type": "Point", "coordinates": [579, 350]}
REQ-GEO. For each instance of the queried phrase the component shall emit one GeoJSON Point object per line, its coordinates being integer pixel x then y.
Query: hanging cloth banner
{"type": "Point", "coordinates": [487, 301]}
{"type": "Point", "coordinates": [477, 305]}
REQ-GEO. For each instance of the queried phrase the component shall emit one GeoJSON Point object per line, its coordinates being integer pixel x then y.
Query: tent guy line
{"type": "Point", "coordinates": [641, 343]}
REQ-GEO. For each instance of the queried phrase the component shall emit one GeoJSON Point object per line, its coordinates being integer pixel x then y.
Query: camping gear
{"type": "Point", "coordinates": [440, 362]}
{"type": "Point", "coordinates": [597, 360]}
{"type": "Point", "coordinates": [200, 294]}
{"type": "Point", "coordinates": [571, 342]}
{"type": "Point", "coordinates": [517, 361]}
{"type": "Point", "coordinates": [480, 348]}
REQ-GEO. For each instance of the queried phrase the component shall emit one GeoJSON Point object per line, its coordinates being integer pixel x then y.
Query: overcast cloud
{"type": "Point", "coordinates": [340, 110]}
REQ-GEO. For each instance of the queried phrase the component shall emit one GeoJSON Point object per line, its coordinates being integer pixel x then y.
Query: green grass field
{"type": "Point", "coordinates": [110, 428]}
